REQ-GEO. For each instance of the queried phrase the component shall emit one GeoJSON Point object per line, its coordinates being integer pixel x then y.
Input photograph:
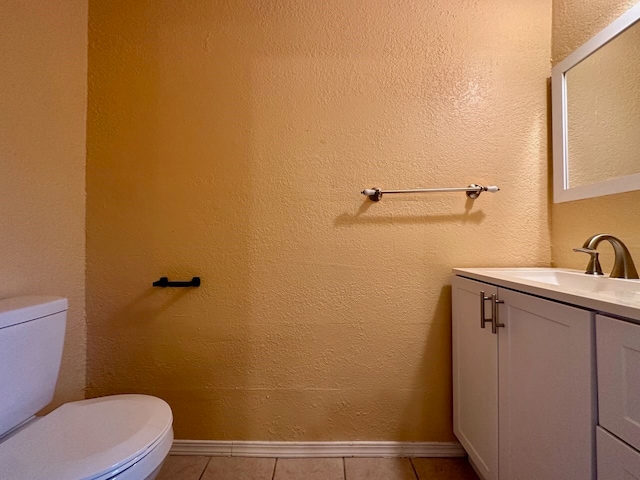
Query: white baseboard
{"type": "Point", "coordinates": [316, 449]}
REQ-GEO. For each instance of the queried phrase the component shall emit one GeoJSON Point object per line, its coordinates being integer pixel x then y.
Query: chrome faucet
{"type": "Point", "coordinates": [623, 266]}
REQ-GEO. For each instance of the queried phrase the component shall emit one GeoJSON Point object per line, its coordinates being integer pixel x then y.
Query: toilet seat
{"type": "Point", "coordinates": [88, 440]}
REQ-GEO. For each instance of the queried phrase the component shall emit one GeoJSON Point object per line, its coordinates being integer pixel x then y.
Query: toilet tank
{"type": "Point", "coordinates": [31, 341]}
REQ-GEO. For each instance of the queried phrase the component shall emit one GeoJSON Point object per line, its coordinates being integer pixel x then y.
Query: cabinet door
{"type": "Point", "coordinates": [618, 347]}
{"type": "Point", "coordinates": [616, 460]}
{"type": "Point", "coordinates": [547, 390]}
{"type": "Point", "coordinates": [475, 376]}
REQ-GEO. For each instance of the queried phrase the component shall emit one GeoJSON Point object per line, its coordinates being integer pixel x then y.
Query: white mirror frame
{"type": "Point", "coordinates": [562, 192]}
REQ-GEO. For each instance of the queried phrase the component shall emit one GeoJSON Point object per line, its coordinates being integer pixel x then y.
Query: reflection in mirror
{"type": "Point", "coordinates": [603, 112]}
{"type": "Point", "coordinates": [596, 114]}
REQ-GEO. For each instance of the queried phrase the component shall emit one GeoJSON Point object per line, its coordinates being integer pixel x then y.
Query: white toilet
{"type": "Point", "coordinates": [123, 437]}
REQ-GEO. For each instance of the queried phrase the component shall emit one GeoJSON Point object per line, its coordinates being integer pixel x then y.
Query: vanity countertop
{"type": "Point", "coordinates": [611, 296]}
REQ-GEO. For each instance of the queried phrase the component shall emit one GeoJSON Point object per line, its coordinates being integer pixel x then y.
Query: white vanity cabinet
{"type": "Point", "coordinates": [475, 377]}
{"type": "Point", "coordinates": [524, 396]}
{"type": "Point", "coordinates": [618, 360]}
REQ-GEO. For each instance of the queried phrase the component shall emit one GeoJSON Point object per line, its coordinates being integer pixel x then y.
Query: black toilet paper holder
{"type": "Point", "coordinates": [164, 282]}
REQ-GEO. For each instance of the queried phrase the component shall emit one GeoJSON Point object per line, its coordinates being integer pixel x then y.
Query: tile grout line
{"type": "Point", "coordinates": [344, 469]}
{"type": "Point", "coordinates": [275, 464]}
{"type": "Point", "coordinates": [415, 472]}
{"type": "Point", "coordinates": [204, 469]}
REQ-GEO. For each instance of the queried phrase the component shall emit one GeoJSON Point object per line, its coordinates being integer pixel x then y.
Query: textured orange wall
{"type": "Point", "coordinates": [43, 91]}
{"type": "Point", "coordinates": [575, 22]}
{"type": "Point", "coordinates": [231, 139]}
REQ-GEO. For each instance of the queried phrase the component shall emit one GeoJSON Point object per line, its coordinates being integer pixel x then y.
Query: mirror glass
{"type": "Point", "coordinates": [603, 112]}
{"type": "Point", "coordinates": [596, 114]}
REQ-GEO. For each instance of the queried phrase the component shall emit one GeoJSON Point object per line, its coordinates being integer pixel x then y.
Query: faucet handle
{"type": "Point", "coordinates": [590, 251]}
{"type": "Point", "coordinates": [594, 267]}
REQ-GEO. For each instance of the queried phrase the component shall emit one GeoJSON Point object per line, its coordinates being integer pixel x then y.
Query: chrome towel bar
{"type": "Point", "coordinates": [472, 191]}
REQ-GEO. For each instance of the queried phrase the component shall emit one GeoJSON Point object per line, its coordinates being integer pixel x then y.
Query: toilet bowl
{"type": "Point", "coordinates": [123, 437]}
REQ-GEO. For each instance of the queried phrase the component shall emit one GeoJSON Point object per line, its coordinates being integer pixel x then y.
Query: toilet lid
{"type": "Point", "coordinates": [86, 439]}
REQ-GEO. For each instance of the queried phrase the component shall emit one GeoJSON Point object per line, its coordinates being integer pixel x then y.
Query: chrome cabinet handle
{"type": "Point", "coordinates": [483, 318]}
{"type": "Point", "coordinates": [495, 319]}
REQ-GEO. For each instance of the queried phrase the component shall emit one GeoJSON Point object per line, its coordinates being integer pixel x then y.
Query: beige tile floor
{"type": "Point", "coordinates": [244, 468]}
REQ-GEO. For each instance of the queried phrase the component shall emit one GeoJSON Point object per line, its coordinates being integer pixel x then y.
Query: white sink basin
{"type": "Point", "coordinates": [574, 280]}
{"type": "Point", "coordinates": [599, 293]}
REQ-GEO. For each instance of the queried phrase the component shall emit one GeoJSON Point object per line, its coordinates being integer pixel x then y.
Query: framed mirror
{"type": "Point", "coordinates": [596, 114]}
